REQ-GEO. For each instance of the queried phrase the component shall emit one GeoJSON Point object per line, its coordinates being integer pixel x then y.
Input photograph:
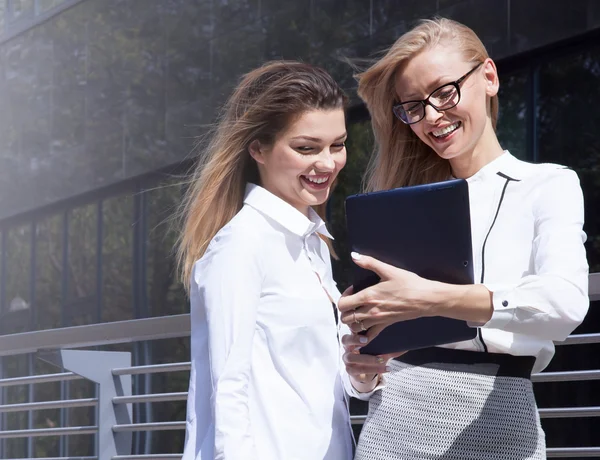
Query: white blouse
{"type": "Point", "coordinates": [265, 381]}
{"type": "Point", "coordinates": [528, 250]}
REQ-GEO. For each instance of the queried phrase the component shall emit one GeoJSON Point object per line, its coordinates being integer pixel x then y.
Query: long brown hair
{"type": "Point", "coordinates": [400, 157]}
{"type": "Point", "coordinates": [264, 103]}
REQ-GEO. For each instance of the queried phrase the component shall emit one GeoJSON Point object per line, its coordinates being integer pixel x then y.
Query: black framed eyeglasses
{"type": "Point", "coordinates": [443, 98]}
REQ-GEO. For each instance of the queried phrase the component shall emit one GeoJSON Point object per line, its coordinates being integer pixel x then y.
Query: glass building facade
{"type": "Point", "coordinates": [102, 101]}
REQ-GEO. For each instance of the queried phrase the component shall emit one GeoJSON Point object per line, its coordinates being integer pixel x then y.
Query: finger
{"type": "Point", "coordinates": [353, 341]}
{"type": "Point", "coordinates": [349, 291]}
{"type": "Point", "coordinates": [349, 302]}
{"type": "Point", "coordinates": [348, 317]}
{"type": "Point", "coordinates": [365, 325]}
{"type": "Point", "coordinates": [359, 327]}
{"type": "Point", "coordinates": [357, 364]}
{"type": "Point", "coordinates": [370, 263]}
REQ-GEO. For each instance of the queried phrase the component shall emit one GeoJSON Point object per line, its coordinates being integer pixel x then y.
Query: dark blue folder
{"type": "Point", "coordinates": [425, 229]}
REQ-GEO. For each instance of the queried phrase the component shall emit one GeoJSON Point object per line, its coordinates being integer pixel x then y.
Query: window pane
{"type": "Point", "coordinates": [568, 130]}
{"type": "Point", "coordinates": [165, 292]}
{"type": "Point", "coordinates": [2, 16]}
{"type": "Point", "coordinates": [20, 9]}
{"type": "Point", "coordinates": [81, 301]}
{"type": "Point", "coordinates": [567, 117]}
{"type": "Point", "coordinates": [15, 366]}
{"type": "Point", "coordinates": [48, 273]}
{"type": "Point", "coordinates": [82, 445]}
{"type": "Point", "coordinates": [16, 316]}
{"type": "Point", "coordinates": [3, 308]}
{"type": "Point", "coordinates": [117, 259]}
{"type": "Point", "coordinates": [359, 147]}
{"type": "Point", "coordinates": [169, 351]}
{"type": "Point", "coordinates": [42, 6]}
{"type": "Point", "coordinates": [47, 446]}
{"type": "Point", "coordinates": [512, 121]}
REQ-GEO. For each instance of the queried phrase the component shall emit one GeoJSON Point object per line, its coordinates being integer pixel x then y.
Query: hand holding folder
{"type": "Point", "coordinates": [425, 231]}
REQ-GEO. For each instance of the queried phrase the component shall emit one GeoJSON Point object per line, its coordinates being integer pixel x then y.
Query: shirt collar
{"type": "Point", "coordinates": [505, 163]}
{"type": "Point", "coordinates": [283, 213]}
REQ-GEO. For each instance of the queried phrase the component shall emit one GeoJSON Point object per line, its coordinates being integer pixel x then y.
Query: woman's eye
{"type": "Point", "coordinates": [341, 145]}
{"type": "Point", "coordinates": [304, 148]}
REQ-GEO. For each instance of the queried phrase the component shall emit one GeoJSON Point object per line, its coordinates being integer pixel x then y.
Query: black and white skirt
{"type": "Point", "coordinates": [454, 405]}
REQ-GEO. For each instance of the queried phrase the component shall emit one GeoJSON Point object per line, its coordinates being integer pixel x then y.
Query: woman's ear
{"type": "Point", "coordinates": [491, 77]}
{"type": "Point", "coordinates": [255, 150]}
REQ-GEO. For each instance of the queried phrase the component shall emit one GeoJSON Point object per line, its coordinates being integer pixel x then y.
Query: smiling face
{"type": "Point", "coordinates": [305, 158]}
{"type": "Point", "coordinates": [460, 133]}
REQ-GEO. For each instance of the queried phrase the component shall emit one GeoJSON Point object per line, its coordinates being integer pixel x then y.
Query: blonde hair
{"type": "Point", "coordinates": [400, 157]}
{"type": "Point", "coordinates": [264, 103]}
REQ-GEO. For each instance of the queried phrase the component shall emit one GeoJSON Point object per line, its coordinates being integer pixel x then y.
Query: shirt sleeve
{"type": "Point", "coordinates": [343, 329]}
{"type": "Point", "coordinates": [551, 303]}
{"type": "Point", "coordinates": [229, 285]}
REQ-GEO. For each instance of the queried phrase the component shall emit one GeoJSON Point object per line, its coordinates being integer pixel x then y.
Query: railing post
{"type": "Point", "coordinates": [97, 366]}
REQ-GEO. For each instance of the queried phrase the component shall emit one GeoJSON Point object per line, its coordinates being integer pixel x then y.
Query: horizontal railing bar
{"type": "Point", "coordinates": [55, 458]}
{"type": "Point", "coordinates": [48, 432]}
{"type": "Point", "coordinates": [42, 405]}
{"type": "Point", "coordinates": [136, 330]}
{"type": "Point", "coordinates": [569, 412]}
{"type": "Point", "coordinates": [580, 339]}
{"type": "Point", "coordinates": [158, 397]}
{"type": "Point", "coordinates": [154, 426]}
{"type": "Point", "coordinates": [46, 378]}
{"type": "Point", "coordinates": [147, 457]}
{"type": "Point", "coordinates": [567, 376]}
{"type": "Point", "coordinates": [570, 452]}
{"type": "Point", "coordinates": [558, 412]}
{"type": "Point", "coordinates": [152, 369]}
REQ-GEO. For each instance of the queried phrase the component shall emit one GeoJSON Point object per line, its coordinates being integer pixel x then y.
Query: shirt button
{"type": "Point", "coordinates": [505, 303]}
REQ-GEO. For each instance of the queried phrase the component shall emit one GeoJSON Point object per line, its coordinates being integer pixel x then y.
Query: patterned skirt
{"type": "Point", "coordinates": [461, 408]}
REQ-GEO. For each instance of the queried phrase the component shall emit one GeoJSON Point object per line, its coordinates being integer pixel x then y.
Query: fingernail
{"type": "Point", "coordinates": [355, 255]}
{"type": "Point", "coordinates": [388, 369]}
{"type": "Point", "coordinates": [363, 339]}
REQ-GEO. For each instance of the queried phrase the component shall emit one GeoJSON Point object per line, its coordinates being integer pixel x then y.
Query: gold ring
{"type": "Point", "coordinates": [362, 326]}
{"type": "Point", "coordinates": [354, 317]}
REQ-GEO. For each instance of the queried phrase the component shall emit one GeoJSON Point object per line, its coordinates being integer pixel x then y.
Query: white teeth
{"type": "Point", "coordinates": [446, 130]}
{"type": "Point", "coordinates": [317, 180]}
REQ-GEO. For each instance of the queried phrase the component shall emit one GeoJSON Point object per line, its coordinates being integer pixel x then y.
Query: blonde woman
{"type": "Point", "coordinates": [433, 102]}
{"type": "Point", "coordinates": [265, 380]}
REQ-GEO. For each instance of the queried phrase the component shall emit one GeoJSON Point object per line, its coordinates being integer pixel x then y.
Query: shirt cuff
{"type": "Point", "coordinates": [367, 395]}
{"type": "Point", "coordinates": [504, 306]}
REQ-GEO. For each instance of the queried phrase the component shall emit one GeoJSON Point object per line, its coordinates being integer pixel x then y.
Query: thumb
{"type": "Point", "coordinates": [369, 263]}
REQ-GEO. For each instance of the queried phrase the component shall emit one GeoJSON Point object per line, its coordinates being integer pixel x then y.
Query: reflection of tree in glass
{"type": "Point", "coordinates": [359, 147]}
{"type": "Point", "coordinates": [512, 122]}
{"type": "Point", "coordinates": [166, 297]}
{"type": "Point", "coordinates": [568, 129]}
{"type": "Point", "coordinates": [117, 259]}
{"type": "Point", "coordinates": [17, 308]}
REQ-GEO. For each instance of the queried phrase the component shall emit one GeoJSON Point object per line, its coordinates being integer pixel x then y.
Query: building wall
{"type": "Point", "coordinates": [110, 89]}
{"type": "Point", "coordinates": [99, 94]}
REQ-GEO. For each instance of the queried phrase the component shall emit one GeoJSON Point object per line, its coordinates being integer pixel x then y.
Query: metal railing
{"type": "Point", "coordinates": [112, 372]}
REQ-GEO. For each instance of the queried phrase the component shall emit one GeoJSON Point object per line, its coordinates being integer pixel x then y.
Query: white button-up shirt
{"type": "Point", "coordinates": [265, 381]}
{"type": "Point", "coordinates": [528, 250]}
